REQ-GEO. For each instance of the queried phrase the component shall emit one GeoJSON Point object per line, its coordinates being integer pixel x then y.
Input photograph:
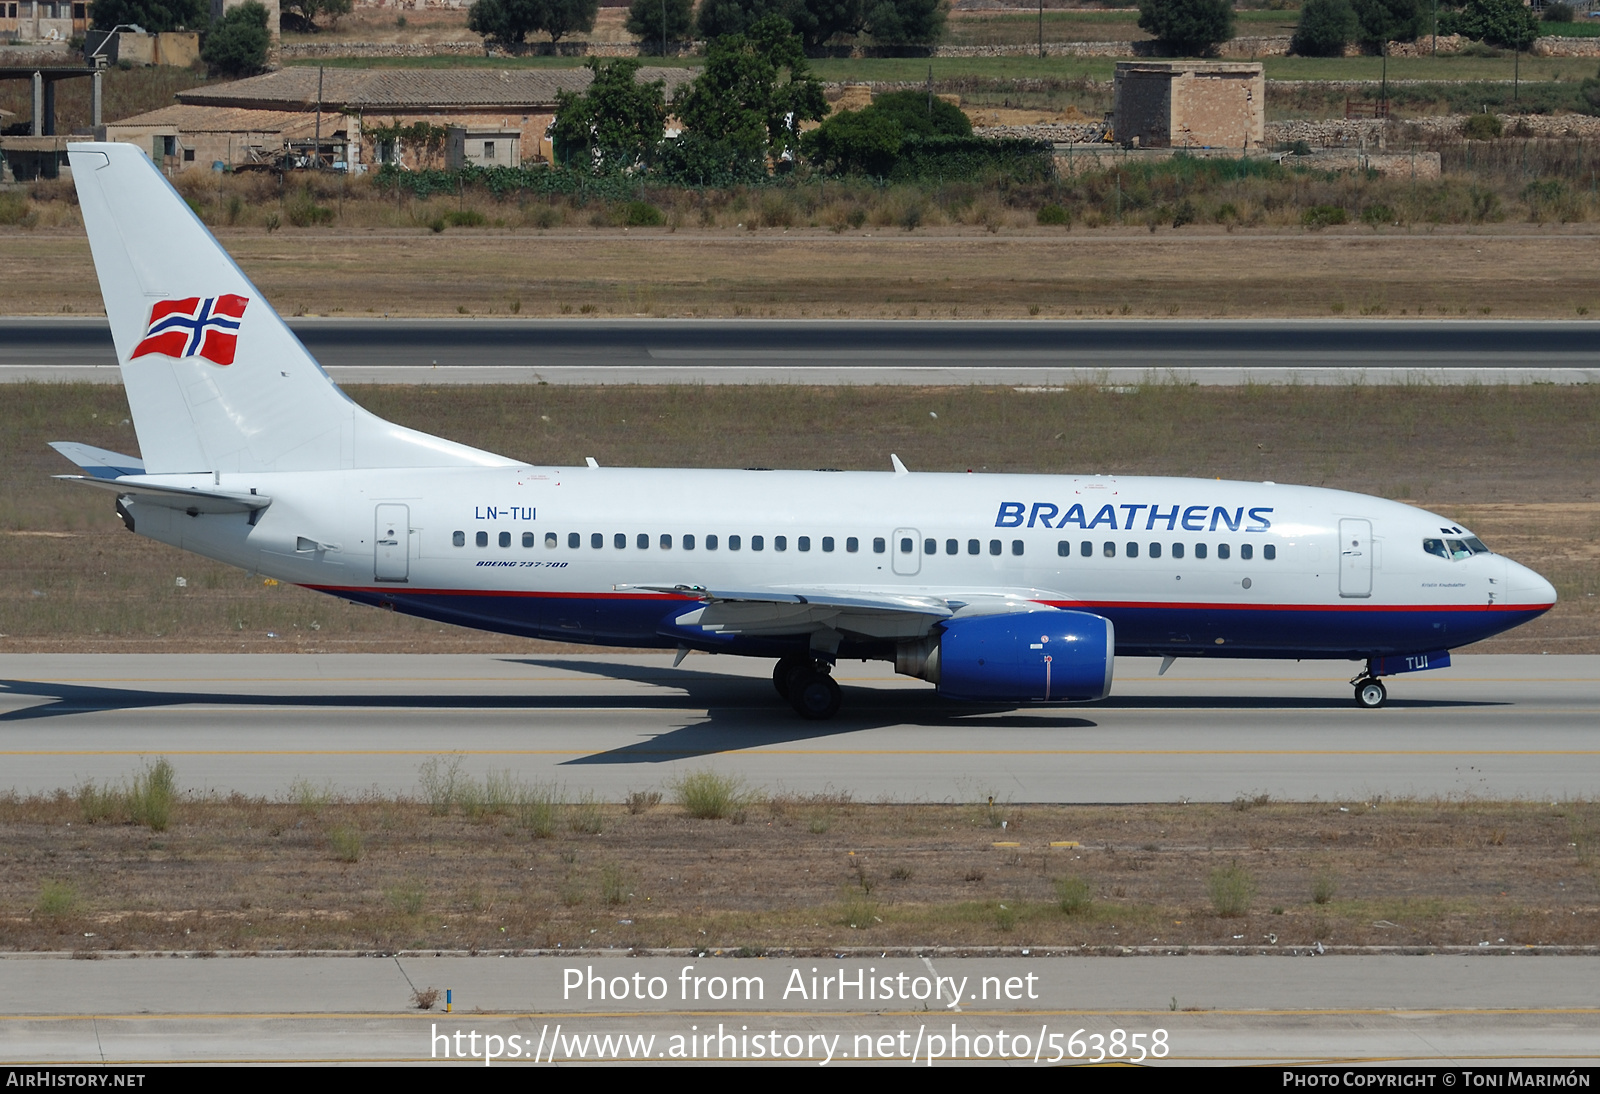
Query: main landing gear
{"type": "Point", "coordinates": [805, 683]}
{"type": "Point", "coordinates": [1370, 692]}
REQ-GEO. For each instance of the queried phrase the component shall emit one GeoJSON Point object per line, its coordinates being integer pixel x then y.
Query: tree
{"type": "Point", "coordinates": [1188, 27]}
{"type": "Point", "coordinates": [155, 16]}
{"type": "Point", "coordinates": [661, 20]}
{"type": "Point", "coordinates": [302, 14]}
{"type": "Point", "coordinates": [869, 141]}
{"type": "Point", "coordinates": [1325, 28]}
{"type": "Point", "coordinates": [237, 43]}
{"type": "Point", "coordinates": [913, 22]}
{"type": "Point", "coordinates": [1504, 23]}
{"type": "Point", "coordinates": [1388, 20]}
{"type": "Point", "coordinates": [753, 93]}
{"type": "Point", "coordinates": [818, 21]}
{"type": "Point", "coordinates": [511, 21]}
{"type": "Point", "coordinates": [616, 124]}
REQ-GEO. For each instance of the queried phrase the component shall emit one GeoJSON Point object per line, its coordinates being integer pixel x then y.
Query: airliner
{"type": "Point", "coordinates": [997, 589]}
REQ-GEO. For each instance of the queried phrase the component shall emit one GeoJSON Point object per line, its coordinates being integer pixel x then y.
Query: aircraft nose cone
{"type": "Point", "coordinates": [1527, 587]}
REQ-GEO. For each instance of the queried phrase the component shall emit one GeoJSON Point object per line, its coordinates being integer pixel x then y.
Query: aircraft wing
{"type": "Point", "coordinates": [826, 614]}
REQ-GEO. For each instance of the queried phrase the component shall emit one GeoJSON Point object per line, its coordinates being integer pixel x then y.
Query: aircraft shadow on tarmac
{"type": "Point", "coordinates": [741, 711]}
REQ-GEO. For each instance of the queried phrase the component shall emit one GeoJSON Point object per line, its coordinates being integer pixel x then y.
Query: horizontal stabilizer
{"type": "Point", "coordinates": [101, 463]}
{"type": "Point", "coordinates": [177, 497]}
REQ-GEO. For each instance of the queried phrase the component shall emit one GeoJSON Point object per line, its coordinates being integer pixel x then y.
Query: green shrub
{"type": "Point", "coordinates": [1557, 12]}
{"type": "Point", "coordinates": [151, 795]}
{"type": "Point", "coordinates": [1323, 886]}
{"type": "Point", "coordinates": [466, 218]}
{"type": "Point", "coordinates": [97, 803]}
{"type": "Point", "coordinates": [1054, 214]}
{"type": "Point", "coordinates": [1322, 216]}
{"type": "Point", "coordinates": [1325, 28]}
{"type": "Point", "coordinates": [641, 214]}
{"type": "Point", "coordinates": [14, 210]}
{"type": "Point", "coordinates": [345, 842]}
{"type": "Point", "coordinates": [1377, 214]}
{"type": "Point", "coordinates": [441, 781]}
{"type": "Point", "coordinates": [406, 898]}
{"type": "Point", "coordinates": [304, 212]}
{"type": "Point", "coordinates": [56, 898]}
{"type": "Point", "coordinates": [1232, 889]}
{"type": "Point", "coordinates": [708, 795]}
{"type": "Point", "coordinates": [1482, 127]}
{"type": "Point", "coordinates": [536, 809]}
{"type": "Point", "coordinates": [585, 816]}
{"type": "Point", "coordinates": [1074, 894]}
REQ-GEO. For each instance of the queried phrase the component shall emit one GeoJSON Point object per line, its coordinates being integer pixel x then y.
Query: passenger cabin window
{"type": "Point", "coordinates": [1269, 552]}
{"type": "Point", "coordinates": [952, 546]}
{"type": "Point", "coordinates": [973, 547]}
{"type": "Point", "coordinates": [711, 543]}
{"type": "Point", "coordinates": [879, 545]}
{"type": "Point", "coordinates": [930, 546]}
{"type": "Point", "coordinates": [1155, 550]}
{"type": "Point", "coordinates": [827, 543]}
{"type": "Point", "coordinates": [505, 539]}
{"type": "Point", "coordinates": [994, 547]}
{"type": "Point", "coordinates": [596, 541]}
{"type": "Point", "coordinates": [688, 542]}
{"type": "Point", "coordinates": [1133, 550]}
{"type": "Point", "coordinates": [1064, 548]}
{"type": "Point", "coordinates": [803, 543]}
{"type": "Point", "coordinates": [758, 543]}
{"type": "Point", "coordinates": [1016, 547]}
{"type": "Point", "coordinates": [1199, 550]}
{"type": "Point", "coordinates": [734, 543]}
{"type": "Point", "coordinates": [1109, 549]}
{"type": "Point", "coordinates": [642, 541]}
{"type": "Point", "coordinates": [1223, 550]}
{"type": "Point", "coordinates": [550, 539]}
{"type": "Point", "coordinates": [574, 540]}
{"type": "Point", "coordinates": [620, 541]}
{"type": "Point", "coordinates": [458, 539]}
{"type": "Point", "coordinates": [851, 545]}
{"type": "Point", "coordinates": [1177, 550]}
{"type": "Point", "coordinates": [482, 539]}
{"type": "Point", "coordinates": [1246, 551]}
{"type": "Point", "coordinates": [1086, 549]}
{"type": "Point", "coordinates": [780, 543]}
{"type": "Point", "coordinates": [666, 542]}
{"type": "Point", "coordinates": [907, 545]}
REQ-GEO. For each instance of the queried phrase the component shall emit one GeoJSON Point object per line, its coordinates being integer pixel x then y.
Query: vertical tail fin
{"type": "Point", "coordinates": [216, 380]}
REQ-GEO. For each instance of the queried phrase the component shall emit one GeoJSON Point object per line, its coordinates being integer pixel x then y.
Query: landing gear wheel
{"type": "Point", "coordinates": [784, 671]}
{"type": "Point", "coordinates": [1370, 693]}
{"type": "Point", "coordinates": [814, 695]}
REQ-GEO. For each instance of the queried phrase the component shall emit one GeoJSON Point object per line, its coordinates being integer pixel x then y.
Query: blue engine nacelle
{"type": "Point", "coordinates": [1022, 657]}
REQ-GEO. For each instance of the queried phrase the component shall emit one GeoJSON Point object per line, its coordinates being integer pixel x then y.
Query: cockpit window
{"type": "Point", "coordinates": [1455, 549]}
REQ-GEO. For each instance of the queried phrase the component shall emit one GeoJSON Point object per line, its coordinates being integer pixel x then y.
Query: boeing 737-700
{"type": "Point", "coordinates": [1002, 589]}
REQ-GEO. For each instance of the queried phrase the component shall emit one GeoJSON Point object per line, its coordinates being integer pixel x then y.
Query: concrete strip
{"type": "Point", "coordinates": [1207, 730]}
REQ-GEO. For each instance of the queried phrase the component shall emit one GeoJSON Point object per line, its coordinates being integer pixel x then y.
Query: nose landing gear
{"type": "Point", "coordinates": [1370, 693]}
{"type": "Point", "coordinates": [808, 687]}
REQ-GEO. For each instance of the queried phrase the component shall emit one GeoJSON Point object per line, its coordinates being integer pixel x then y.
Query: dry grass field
{"type": "Point", "coordinates": [1520, 466]}
{"type": "Point", "coordinates": [499, 866]}
{"type": "Point", "coordinates": [1018, 271]}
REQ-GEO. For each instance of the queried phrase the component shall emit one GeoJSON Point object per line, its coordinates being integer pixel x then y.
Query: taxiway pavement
{"type": "Point", "coordinates": [1492, 726]}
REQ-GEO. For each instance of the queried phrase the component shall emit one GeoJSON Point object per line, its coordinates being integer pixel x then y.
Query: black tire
{"type": "Point", "coordinates": [814, 695]}
{"type": "Point", "coordinates": [1371, 694]}
{"type": "Point", "coordinates": [784, 671]}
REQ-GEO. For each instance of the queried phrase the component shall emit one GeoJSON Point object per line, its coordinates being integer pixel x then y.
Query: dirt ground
{"type": "Point", "coordinates": [1019, 271]}
{"type": "Point", "coordinates": [811, 874]}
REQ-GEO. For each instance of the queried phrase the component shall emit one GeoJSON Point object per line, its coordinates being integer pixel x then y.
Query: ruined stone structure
{"type": "Point", "coordinates": [1190, 104]}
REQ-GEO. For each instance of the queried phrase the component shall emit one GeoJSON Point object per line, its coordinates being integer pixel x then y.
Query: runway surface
{"type": "Point", "coordinates": [912, 352]}
{"type": "Point", "coordinates": [1459, 1011]}
{"type": "Point", "coordinates": [1493, 726]}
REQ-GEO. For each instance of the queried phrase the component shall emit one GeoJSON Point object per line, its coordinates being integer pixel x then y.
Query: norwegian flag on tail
{"type": "Point", "coordinates": [195, 327]}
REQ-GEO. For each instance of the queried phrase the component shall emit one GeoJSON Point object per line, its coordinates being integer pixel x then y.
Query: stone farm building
{"type": "Point", "coordinates": [498, 116]}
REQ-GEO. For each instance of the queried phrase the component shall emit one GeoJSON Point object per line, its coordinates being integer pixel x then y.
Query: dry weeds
{"type": "Point", "coordinates": [875, 270]}
{"type": "Point", "coordinates": [247, 875]}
